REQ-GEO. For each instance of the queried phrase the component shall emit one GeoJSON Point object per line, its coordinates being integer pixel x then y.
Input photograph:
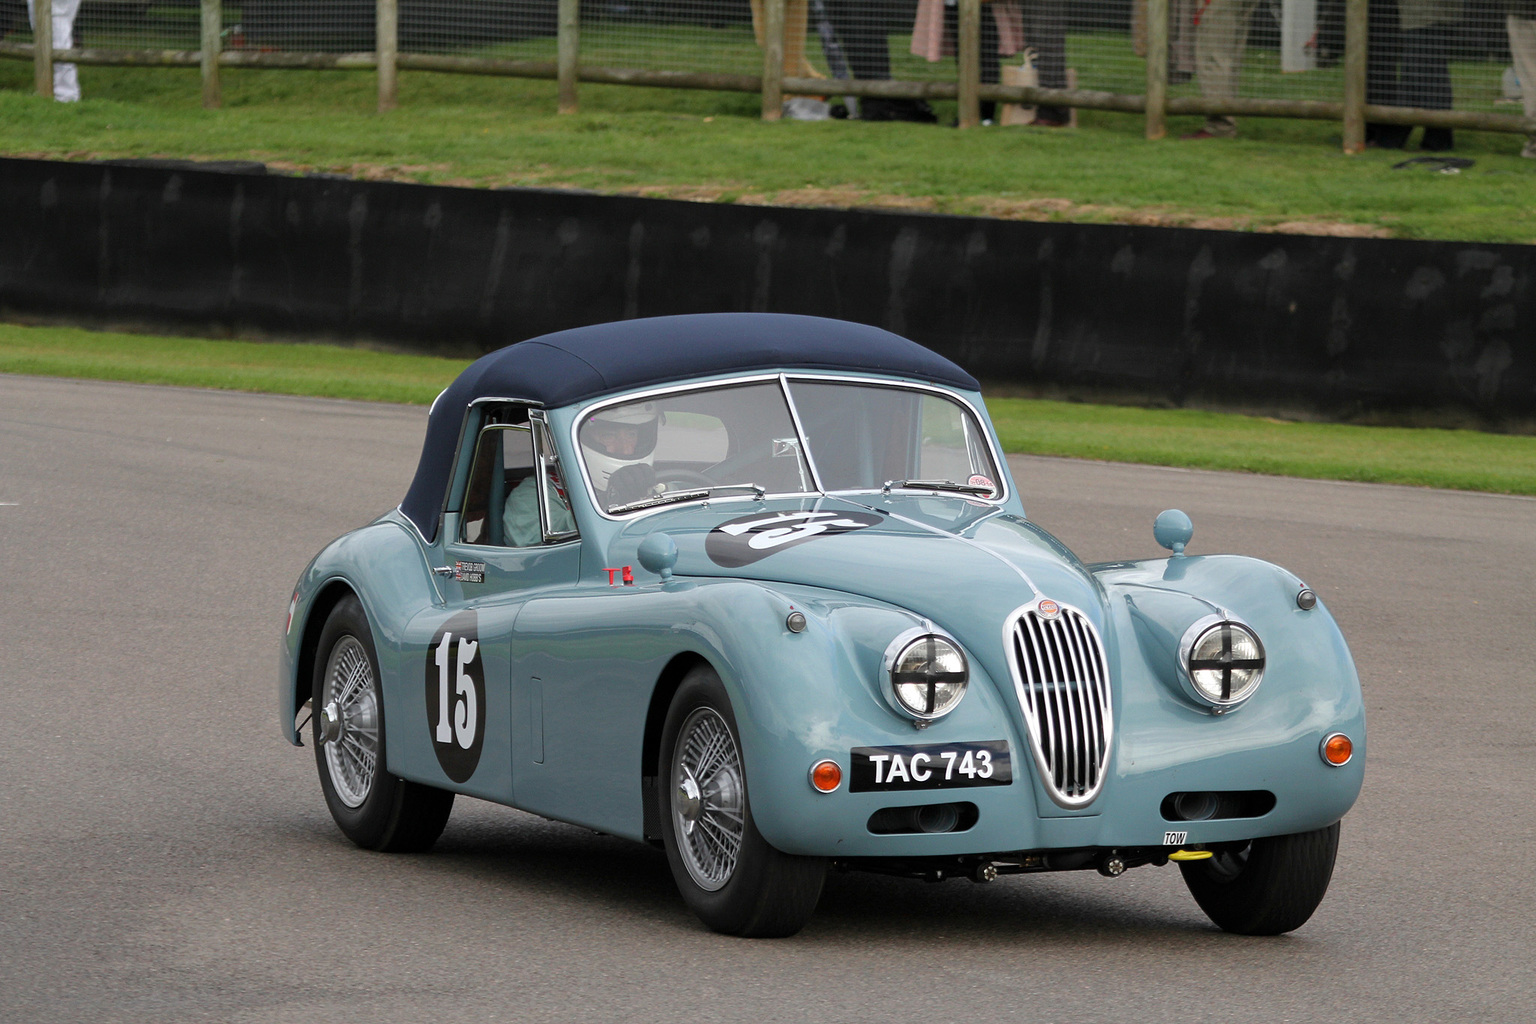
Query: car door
{"type": "Point", "coordinates": [508, 536]}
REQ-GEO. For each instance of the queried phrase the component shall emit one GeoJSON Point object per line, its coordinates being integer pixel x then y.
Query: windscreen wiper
{"type": "Point", "coordinates": [937, 485]}
{"type": "Point", "coordinates": [692, 494]}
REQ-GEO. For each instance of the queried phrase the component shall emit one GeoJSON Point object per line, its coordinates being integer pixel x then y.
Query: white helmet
{"type": "Point", "coordinates": [618, 436]}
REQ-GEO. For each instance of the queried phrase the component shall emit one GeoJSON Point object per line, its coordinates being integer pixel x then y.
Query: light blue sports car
{"type": "Point", "coordinates": [758, 589]}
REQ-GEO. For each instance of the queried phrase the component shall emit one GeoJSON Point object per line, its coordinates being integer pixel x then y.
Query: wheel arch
{"type": "Point", "coordinates": [329, 596]}
{"type": "Point", "coordinates": [667, 682]}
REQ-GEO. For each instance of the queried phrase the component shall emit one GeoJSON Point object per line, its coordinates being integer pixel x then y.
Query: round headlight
{"type": "Point", "coordinates": [1224, 661]}
{"type": "Point", "coordinates": [928, 675]}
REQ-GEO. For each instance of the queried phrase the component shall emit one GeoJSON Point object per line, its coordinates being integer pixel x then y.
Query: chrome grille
{"type": "Point", "coordinates": [1062, 679]}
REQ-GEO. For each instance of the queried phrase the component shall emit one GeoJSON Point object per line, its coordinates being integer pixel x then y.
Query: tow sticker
{"type": "Point", "coordinates": [750, 538]}
{"type": "Point", "coordinates": [456, 696]}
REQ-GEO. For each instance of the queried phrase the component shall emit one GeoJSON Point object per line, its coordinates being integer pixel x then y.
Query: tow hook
{"type": "Point", "coordinates": [1112, 866]}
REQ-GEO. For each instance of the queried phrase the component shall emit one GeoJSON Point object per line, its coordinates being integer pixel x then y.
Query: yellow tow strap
{"type": "Point", "coordinates": [1190, 855]}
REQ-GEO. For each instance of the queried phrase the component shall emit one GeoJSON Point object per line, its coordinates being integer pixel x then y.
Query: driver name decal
{"type": "Point", "coordinates": [747, 539]}
{"type": "Point", "coordinates": [456, 696]}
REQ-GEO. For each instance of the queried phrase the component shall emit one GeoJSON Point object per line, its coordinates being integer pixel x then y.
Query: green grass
{"type": "Point", "coordinates": [1287, 175]}
{"type": "Point", "coordinates": [320, 370]}
{"type": "Point", "coordinates": [1465, 460]}
{"type": "Point", "coordinates": [1460, 459]}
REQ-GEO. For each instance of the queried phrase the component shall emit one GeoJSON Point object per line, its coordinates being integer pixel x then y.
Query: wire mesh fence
{"type": "Point", "coordinates": [1423, 54]}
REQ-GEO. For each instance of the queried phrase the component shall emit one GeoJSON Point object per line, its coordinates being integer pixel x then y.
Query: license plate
{"type": "Point", "coordinates": [930, 766]}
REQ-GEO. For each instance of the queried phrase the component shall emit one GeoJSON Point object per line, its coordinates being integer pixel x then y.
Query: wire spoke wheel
{"type": "Point", "coordinates": [350, 721]}
{"type": "Point", "coordinates": [707, 798]}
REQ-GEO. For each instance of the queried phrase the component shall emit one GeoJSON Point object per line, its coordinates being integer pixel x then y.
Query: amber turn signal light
{"type": "Point", "coordinates": [1337, 749]}
{"type": "Point", "coordinates": [826, 776]}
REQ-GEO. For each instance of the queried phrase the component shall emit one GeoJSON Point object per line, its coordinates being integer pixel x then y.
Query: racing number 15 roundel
{"type": "Point", "coordinates": [456, 696]}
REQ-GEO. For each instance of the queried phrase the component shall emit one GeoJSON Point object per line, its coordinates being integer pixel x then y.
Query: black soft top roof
{"type": "Point", "coordinates": [572, 366]}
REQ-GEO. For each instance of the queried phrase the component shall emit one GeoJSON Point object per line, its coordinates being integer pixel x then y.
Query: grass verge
{"type": "Point", "coordinates": [327, 371]}
{"type": "Point", "coordinates": [490, 132]}
{"type": "Point", "coordinates": [1458, 459]}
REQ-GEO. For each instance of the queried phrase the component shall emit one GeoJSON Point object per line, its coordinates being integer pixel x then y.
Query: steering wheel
{"type": "Point", "coordinates": [684, 476]}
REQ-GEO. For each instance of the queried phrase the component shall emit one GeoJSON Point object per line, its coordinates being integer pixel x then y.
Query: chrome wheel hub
{"type": "Point", "coordinates": [708, 799]}
{"type": "Point", "coordinates": [690, 802]}
{"type": "Point", "coordinates": [330, 723]}
{"type": "Point", "coordinates": [349, 721]}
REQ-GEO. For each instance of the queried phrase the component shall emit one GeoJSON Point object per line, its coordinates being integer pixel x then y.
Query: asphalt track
{"type": "Point", "coordinates": [165, 856]}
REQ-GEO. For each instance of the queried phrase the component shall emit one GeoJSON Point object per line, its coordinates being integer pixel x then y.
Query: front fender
{"type": "Point", "coordinates": [1169, 743]}
{"type": "Point", "coordinates": [815, 695]}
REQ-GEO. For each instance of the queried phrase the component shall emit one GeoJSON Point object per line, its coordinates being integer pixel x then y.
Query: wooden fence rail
{"type": "Point", "coordinates": [1155, 105]}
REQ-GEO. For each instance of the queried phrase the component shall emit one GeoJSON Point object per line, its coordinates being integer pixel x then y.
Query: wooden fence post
{"type": "Point", "coordinates": [568, 52]}
{"type": "Point", "coordinates": [213, 30]}
{"type": "Point", "coordinates": [773, 59]}
{"type": "Point", "coordinates": [42, 47]}
{"type": "Point", "coordinates": [1157, 69]}
{"type": "Point", "coordinates": [1356, 40]}
{"type": "Point", "coordinates": [387, 47]}
{"type": "Point", "coordinates": [968, 60]}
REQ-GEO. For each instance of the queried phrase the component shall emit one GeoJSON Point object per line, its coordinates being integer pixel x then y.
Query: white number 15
{"type": "Point", "coordinates": [460, 722]}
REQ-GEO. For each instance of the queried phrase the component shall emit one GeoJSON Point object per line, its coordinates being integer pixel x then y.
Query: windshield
{"type": "Point", "coordinates": [741, 439]}
{"type": "Point", "coordinates": [710, 438]}
{"type": "Point", "coordinates": [864, 436]}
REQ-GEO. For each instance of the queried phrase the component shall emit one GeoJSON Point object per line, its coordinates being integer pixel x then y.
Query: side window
{"type": "Point", "coordinates": [501, 505]}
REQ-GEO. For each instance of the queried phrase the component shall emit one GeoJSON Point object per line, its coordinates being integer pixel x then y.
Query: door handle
{"type": "Point", "coordinates": [443, 570]}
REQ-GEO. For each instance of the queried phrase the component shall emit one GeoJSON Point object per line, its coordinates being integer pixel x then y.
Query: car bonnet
{"type": "Point", "coordinates": [960, 564]}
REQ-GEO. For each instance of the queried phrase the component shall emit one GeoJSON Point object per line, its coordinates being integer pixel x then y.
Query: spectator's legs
{"type": "Point", "coordinates": [1045, 31]}
{"type": "Point", "coordinates": [1384, 52]}
{"type": "Point", "coordinates": [66, 79]}
{"type": "Point", "coordinates": [795, 64]}
{"type": "Point", "coordinates": [1426, 80]}
{"type": "Point", "coordinates": [1181, 40]}
{"type": "Point", "coordinates": [1522, 46]}
{"type": "Point", "coordinates": [1220, 39]}
{"type": "Point", "coordinates": [861, 28]}
{"type": "Point", "coordinates": [991, 60]}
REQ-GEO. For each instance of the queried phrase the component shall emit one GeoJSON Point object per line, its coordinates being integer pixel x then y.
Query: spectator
{"type": "Point", "coordinates": [1521, 24]}
{"type": "Point", "coordinates": [795, 64]}
{"type": "Point", "coordinates": [1408, 65]}
{"type": "Point", "coordinates": [66, 79]}
{"type": "Point", "coordinates": [1181, 36]}
{"type": "Point", "coordinates": [862, 29]}
{"type": "Point", "coordinates": [1045, 31]}
{"type": "Point", "coordinates": [1221, 36]}
{"type": "Point", "coordinates": [1384, 51]}
{"type": "Point", "coordinates": [1425, 80]}
{"type": "Point", "coordinates": [1181, 40]}
{"type": "Point", "coordinates": [1040, 23]}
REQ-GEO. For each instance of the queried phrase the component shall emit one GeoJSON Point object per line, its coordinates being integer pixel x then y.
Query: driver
{"type": "Point", "coordinates": [619, 446]}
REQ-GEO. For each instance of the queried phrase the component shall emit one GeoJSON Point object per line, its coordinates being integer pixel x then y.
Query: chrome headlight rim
{"type": "Point", "coordinates": [893, 654]}
{"type": "Point", "coordinates": [1191, 639]}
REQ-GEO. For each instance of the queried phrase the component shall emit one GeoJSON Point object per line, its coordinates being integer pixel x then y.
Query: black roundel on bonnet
{"type": "Point", "coordinates": [747, 539]}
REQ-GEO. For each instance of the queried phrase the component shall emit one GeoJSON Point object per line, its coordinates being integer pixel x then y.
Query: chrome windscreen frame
{"type": "Point", "coordinates": [783, 378]}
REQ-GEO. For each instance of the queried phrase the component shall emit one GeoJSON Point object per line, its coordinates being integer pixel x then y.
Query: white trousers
{"type": "Point", "coordinates": [66, 80]}
{"type": "Point", "coordinates": [1522, 47]}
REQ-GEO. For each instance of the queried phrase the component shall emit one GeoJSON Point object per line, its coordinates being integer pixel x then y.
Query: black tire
{"type": "Point", "coordinates": [1267, 886]}
{"type": "Point", "coordinates": [764, 893]}
{"type": "Point", "coordinates": [376, 810]}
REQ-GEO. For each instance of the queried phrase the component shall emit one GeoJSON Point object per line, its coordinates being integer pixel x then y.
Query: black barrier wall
{"type": "Point", "coordinates": [1342, 325]}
